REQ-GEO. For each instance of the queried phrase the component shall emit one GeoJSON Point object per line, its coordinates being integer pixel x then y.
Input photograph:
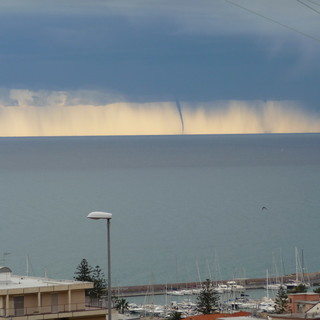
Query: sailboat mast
{"type": "Point", "coordinates": [282, 267]}
{"type": "Point", "coordinates": [267, 284]}
{"type": "Point", "coordinates": [297, 272]}
{"type": "Point", "coordinates": [302, 264]}
{"type": "Point", "coordinates": [198, 272]}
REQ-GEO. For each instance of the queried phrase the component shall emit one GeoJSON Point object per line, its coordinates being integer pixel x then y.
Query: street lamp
{"type": "Point", "coordinates": [97, 215]}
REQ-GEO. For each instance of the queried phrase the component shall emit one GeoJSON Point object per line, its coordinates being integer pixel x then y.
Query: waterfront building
{"type": "Point", "coordinates": [33, 298]}
{"type": "Point", "coordinates": [303, 302]}
{"type": "Point", "coordinates": [301, 306]}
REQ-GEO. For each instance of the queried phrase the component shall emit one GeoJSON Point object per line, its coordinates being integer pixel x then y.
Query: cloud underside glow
{"type": "Point", "coordinates": [229, 117]}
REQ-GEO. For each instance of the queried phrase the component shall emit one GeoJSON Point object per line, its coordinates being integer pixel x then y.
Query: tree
{"type": "Point", "coordinates": [99, 283]}
{"type": "Point", "coordinates": [301, 288]}
{"type": "Point", "coordinates": [208, 299]}
{"type": "Point", "coordinates": [317, 290]}
{"type": "Point", "coordinates": [281, 301]}
{"type": "Point", "coordinates": [121, 305]}
{"type": "Point", "coordinates": [83, 271]}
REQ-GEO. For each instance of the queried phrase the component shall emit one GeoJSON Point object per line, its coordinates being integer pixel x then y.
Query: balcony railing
{"type": "Point", "coordinates": [27, 311]}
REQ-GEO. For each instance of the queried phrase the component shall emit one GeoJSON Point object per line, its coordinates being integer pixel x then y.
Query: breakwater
{"type": "Point", "coordinates": [248, 283]}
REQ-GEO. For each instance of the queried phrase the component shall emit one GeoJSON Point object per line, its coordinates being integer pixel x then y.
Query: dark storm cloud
{"type": "Point", "coordinates": [156, 50]}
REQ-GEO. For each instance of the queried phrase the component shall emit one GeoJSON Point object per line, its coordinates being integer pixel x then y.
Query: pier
{"type": "Point", "coordinates": [248, 283]}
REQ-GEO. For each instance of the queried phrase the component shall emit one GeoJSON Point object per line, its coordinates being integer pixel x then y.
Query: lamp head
{"type": "Point", "coordinates": [96, 215]}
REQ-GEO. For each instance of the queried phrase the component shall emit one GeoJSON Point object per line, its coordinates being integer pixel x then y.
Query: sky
{"type": "Point", "coordinates": [131, 67]}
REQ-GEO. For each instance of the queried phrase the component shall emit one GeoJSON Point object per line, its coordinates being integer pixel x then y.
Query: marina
{"type": "Point", "coordinates": [164, 305]}
{"type": "Point", "coordinates": [193, 287]}
{"type": "Point", "coordinates": [250, 295]}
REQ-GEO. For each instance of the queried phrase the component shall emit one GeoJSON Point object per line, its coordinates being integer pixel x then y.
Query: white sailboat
{"type": "Point", "coordinates": [267, 304]}
{"type": "Point", "coordinates": [273, 283]}
{"type": "Point", "coordinates": [272, 286]}
{"type": "Point", "coordinates": [290, 285]}
{"type": "Point", "coordinates": [234, 286]}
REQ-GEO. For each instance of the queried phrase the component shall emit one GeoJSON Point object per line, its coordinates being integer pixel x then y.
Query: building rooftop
{"type": "Point", "coordinates": [216, 316]}
{"type": "Point", "coordinates": [9, 281]}
{"type": "Point", "coordinates": [307, 301]}
{"type": "Point", "coordinates": [313, 316]}
{"type": "Point", "coordinates": [304, 294]}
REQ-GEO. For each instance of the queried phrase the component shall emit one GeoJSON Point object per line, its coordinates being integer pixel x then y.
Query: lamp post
{"type": "Point", "coordinates": [97, 215]}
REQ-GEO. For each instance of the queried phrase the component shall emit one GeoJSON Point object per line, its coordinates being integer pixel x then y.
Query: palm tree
{"type": "Point", "coordinates": [121, 305]}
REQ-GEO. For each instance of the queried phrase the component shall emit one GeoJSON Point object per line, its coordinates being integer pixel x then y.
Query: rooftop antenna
{"type": "Point", "coordinates": [27, 262]}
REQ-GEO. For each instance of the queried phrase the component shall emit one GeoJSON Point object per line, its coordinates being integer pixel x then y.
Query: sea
{"type": "Point", "coordinates": [184, 208]}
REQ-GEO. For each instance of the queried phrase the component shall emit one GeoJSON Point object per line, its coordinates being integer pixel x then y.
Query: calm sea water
{"type": "Point", "coordinates": [185, 208]}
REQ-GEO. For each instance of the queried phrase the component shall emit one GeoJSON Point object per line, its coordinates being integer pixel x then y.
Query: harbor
{"type": "Point", "coordinates": [248, 284]}
{"type": "Point", "coordinates": [254, 295]}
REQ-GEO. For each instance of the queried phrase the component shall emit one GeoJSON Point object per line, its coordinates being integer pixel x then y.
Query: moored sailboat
{"type": "Point", "coordinates": [300, 278]}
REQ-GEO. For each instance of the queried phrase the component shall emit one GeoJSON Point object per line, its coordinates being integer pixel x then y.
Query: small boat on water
{"type": "Point", "coordinates": [266, 305]}
{"type": "Point", "coordinates": [234, 286]}
{"type": "Point", "coordinates": [222, 288]}
{"type": "Point", "coordinates": [291, 285]}
{"type": "Point", "coordinates": [231, 286]}
{"type": "Point", "coordinates": [274, 286]}
{"type": "Point", "coordinates": [183, 292]}
{"type": "Point", "coordinates": [134, 308]}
